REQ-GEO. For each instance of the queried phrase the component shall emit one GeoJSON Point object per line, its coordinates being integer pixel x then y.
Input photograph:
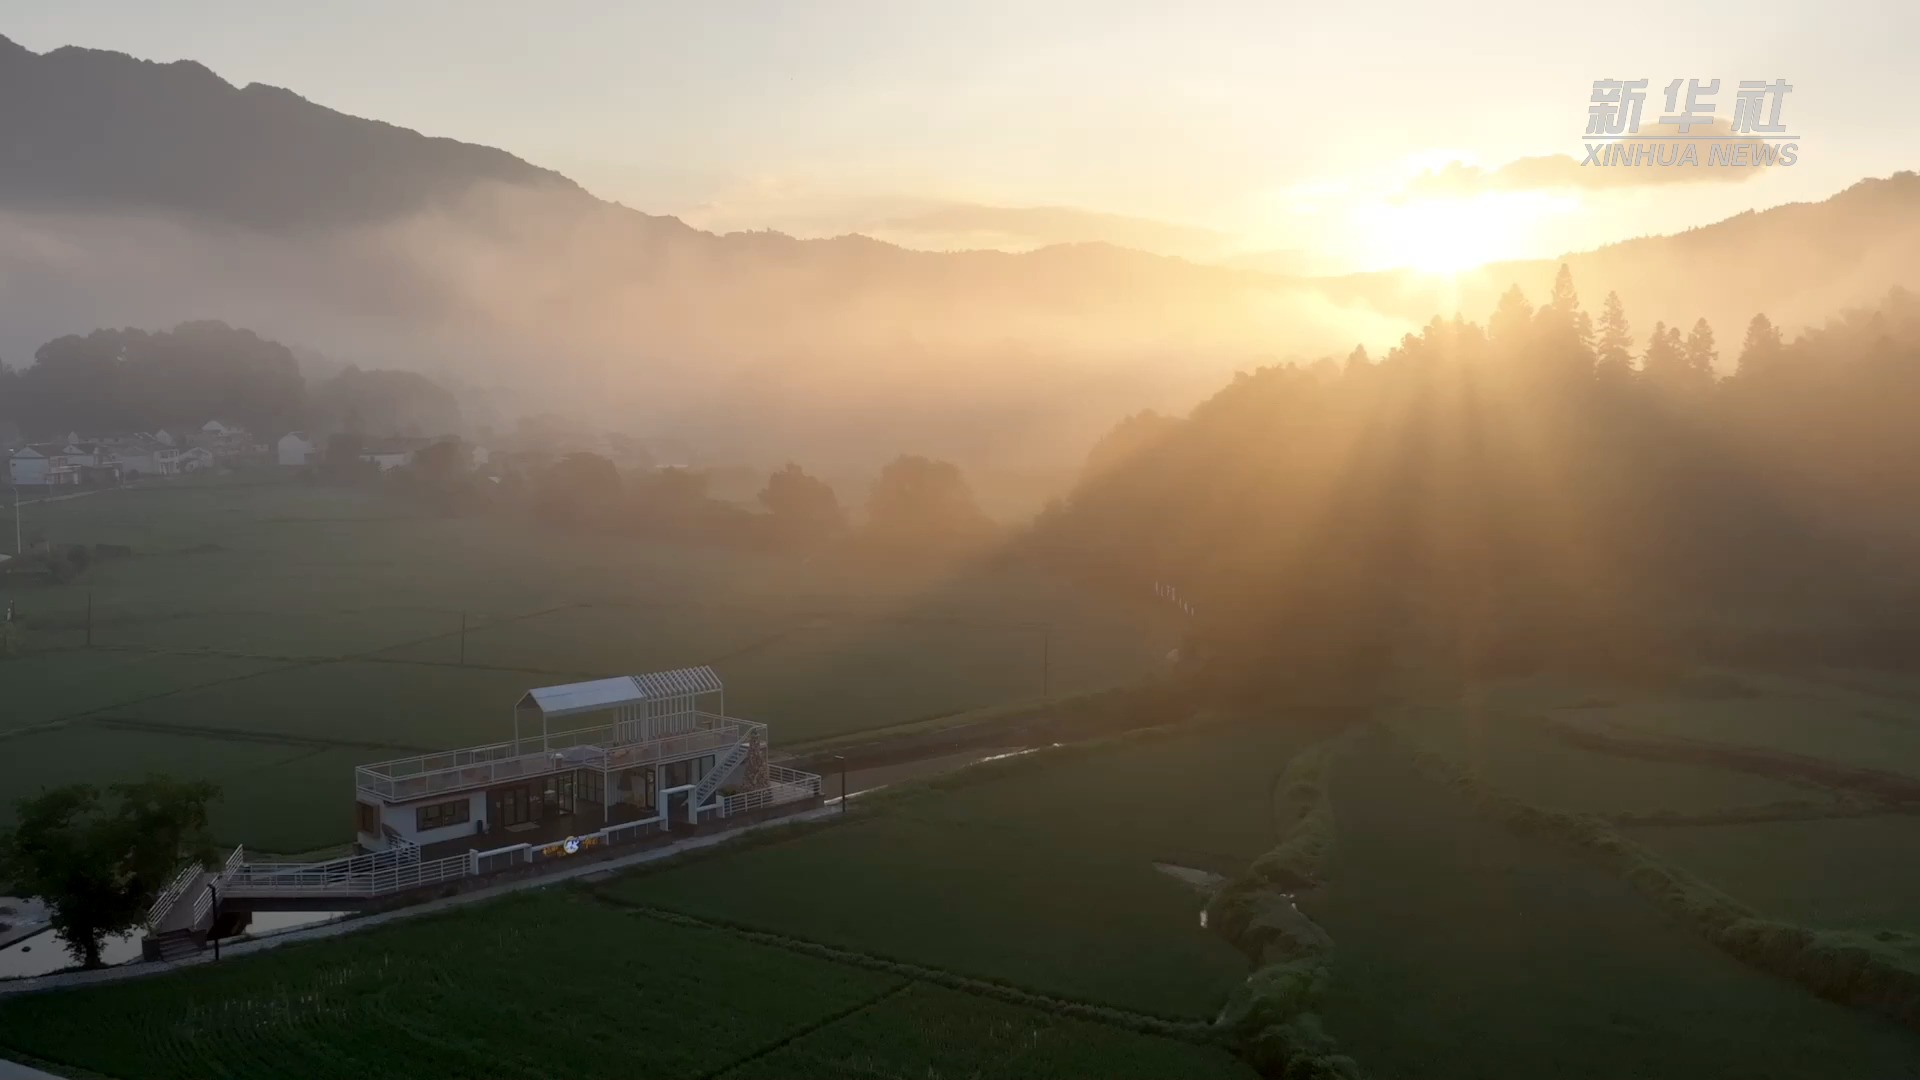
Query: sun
{"type": "Point", "coordinates": [1446, 236]}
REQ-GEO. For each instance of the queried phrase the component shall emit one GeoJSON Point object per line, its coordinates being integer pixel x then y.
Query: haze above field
{"type": "Point", "coordinates": [1087, 160]}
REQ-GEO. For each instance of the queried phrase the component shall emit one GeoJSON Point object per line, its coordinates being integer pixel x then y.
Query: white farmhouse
{"type": "Point", "coordinates": [296, 449]}
{"type": "Point", "coordinates": [45, 464]}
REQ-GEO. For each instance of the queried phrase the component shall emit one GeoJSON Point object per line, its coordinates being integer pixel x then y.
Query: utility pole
{"type": "Point", "coordinates": [213, 930]}
{"type": "Point", "coordinates": [17, 549]}
{"type": "Point", "coordinates": [842, 759]}
{"type": "Point", "coordinates": [1046, 662]}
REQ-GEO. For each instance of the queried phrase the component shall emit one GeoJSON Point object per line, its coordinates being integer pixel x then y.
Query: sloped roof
{"type": "Point", "coordinates": [571, 698]}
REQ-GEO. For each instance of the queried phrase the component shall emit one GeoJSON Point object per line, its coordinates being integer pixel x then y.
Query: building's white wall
{"type": "Point", "coordinates": [31, 469]}
{"type": "Point", "coordinates": [401, 818]}
{"type": "Point", "coordinates": [295, 450]}
{"type": "Point", "coordinates": [389, 462]}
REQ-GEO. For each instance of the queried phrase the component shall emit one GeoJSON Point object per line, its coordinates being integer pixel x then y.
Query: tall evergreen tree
{"type": "Point", "coordinates": [1700, 352]}
{"type": "Point", "coordinates": [1615, 349]}
{"type": "Point", "coordinates": [1512, 324]}
{"type": "Point", "coordinates": [1664, 364]}
{"type": "Point", "coordinates": [1762, 351]}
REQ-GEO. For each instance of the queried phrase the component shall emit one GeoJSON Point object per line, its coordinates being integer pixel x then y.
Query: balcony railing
{"type": "Point", "coordinates": [783, 786]}
{"type": "Point", "coordinates": [605, 748]}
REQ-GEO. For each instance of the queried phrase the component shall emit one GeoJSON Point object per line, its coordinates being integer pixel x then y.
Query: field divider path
{"type": "Point", "coordinates": [1879, 784]}
{"type": "Point", "coordinates": [300, 659]}
{"type": "Point", "coordinates": [372, 655]}
{"type": "Point", "coordinates": [1195, 1031]}
{"type": "Point", "coordinates": [805, 1030]}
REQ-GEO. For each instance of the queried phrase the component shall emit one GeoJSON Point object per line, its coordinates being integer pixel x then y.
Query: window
{"type": "Point", "coordinates": [441, 815]}
{"type": "Point", "coordinates": [678, 773]}
{"type": "Point", "coordinates": [369, 819]}
{"type": "Point", "coordinates": [702, 767]}
{"type": "Point", "coordinates": [592, 786]}
{"type": "Point", "coordinates": [560, 793]}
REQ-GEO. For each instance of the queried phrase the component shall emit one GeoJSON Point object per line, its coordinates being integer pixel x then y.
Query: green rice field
{"type": "Point", "coordinates": [1856, 718]}
{"type": "Point", "coordinates": [309, 628]}
{"type": "Point", "coordinates": [557, 984]}
{"type": "Point", "coordinates": [1039, 871]}
{"type": "Point", "coordinates": [1466, 950]}
{"type": "Point", "coordinates": [1521, 755]}
{"type": "Point", "coordinates": [1838, 874]}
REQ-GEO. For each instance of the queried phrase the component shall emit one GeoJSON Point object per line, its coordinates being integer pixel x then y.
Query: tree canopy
{"type": "Point", "coordinates": [1533, 490]}
{"type": "Point", "coordinates": [121, 381]}
{"type": "Point", "coordinates": [99, 863]}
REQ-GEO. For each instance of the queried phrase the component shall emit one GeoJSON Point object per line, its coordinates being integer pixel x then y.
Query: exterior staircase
{"type": "Point", "coordinates": [179, 923]}
{"type": "Point", "coordinates": [722, 769]}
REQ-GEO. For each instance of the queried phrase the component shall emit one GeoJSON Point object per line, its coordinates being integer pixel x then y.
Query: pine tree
{"type": "Point", "coordinates": [1563, 334]}
{"type": "Point", "coordinates": [1357, 359]}
{"type": "Point", "coordinates": [1615, 352]}
{"type": "Point", "coordinates": [1762, 351]}
{"type": "Point", "coordinates": [1511, 326]}
{"type": "Point", "coordinates": [1663, 363]}
{"type": "Point", "coordinates": [1564, 299]}
{"type": "Point", "coordinates": [1700, 352]}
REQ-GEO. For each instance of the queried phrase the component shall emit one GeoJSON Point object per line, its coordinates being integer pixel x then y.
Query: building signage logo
{"type": "Point", "coordinates": [572, 845]}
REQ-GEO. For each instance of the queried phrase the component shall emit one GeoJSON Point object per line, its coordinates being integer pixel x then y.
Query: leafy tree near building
{"type": "Point", "coordinates": [99, 864]}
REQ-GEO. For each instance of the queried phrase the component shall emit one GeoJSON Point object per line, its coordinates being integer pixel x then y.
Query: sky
{"type": "Point", "coordinates": [1214, 130]}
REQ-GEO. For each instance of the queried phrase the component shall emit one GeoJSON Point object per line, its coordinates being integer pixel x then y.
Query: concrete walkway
{"type": "Point", "coordinates": [351, 923]}
{"type": "Point", "coordinates": [13, 1070]}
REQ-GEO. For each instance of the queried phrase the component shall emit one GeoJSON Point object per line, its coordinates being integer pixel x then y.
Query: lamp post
{"type": "Point", "coordinates": [213, 930]}
{"type": "Point", "coordinates": [842, 759]}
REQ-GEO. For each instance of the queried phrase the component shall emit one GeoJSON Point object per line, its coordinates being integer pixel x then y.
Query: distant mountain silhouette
{"type": "Point", "coordinates": [81, 128]}
{"type": "Point", "coordinates": [1796, 263]}
{"type": "Point", "coordinates": [135, 193]}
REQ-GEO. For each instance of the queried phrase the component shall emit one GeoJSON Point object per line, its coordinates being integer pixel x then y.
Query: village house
{"type": "Point", "coordinates": [42, 465]}
{"type": "Point", "coordinates": [144, 455]}
{"type": "Point", "coordinates": [390, 454]}
{"type": "Point", "coordinates": [295, 449]}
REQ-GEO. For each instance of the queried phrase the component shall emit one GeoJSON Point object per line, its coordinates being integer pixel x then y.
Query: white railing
{"type": "Point", "coordinates": [171, 894]}
{"type": "Point", "coordinates": [491, 862]}
{"type": "Point", "coordinates": [362, 875]}
{"type": "Point", "coordinates": [416, 874]}
{"type": "Point", "coordinates": [202, 908]}
{"type": "Point", "coordinates": [400, 869]}
{"type": "Point", "coordinates": [233, 862]}
{"type": "Point", "coordinates": [605, 748]}
{"type": "Point", "coordinates": [785, 786]}
{"type": "Point", "coordinates": [616, 834]}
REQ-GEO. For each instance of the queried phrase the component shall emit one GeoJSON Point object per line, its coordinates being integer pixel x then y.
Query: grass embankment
{"type": "Point", "coordinates": [1468, 949]}
{"type": "Point", "coordinates": [1877, 970]}
{"type": "Point", "coordinates": [1274, 1013]}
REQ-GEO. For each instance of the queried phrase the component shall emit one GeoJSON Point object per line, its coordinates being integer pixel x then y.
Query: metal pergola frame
{"type": "Point", "coordinates": [642, 706]}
